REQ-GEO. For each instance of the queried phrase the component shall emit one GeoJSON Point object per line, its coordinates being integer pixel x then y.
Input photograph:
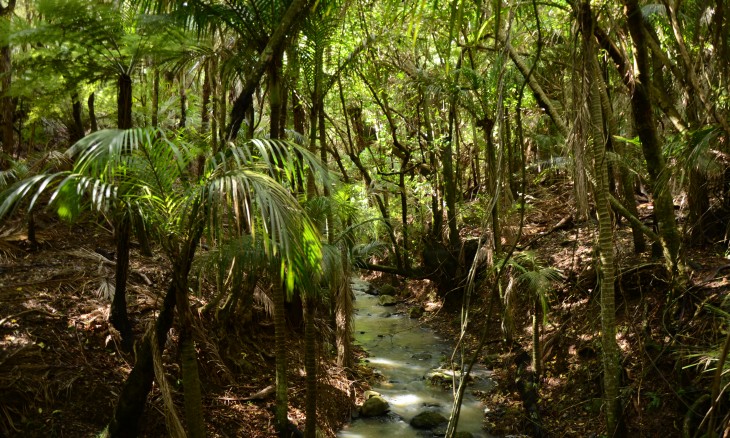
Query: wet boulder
{"type": "Point", "coordinates": [427, 420]}
{"type": "Point", "coordinates": [388, 290]}
{"type": "Point", "coordinates": [370, 290]}
{"type": "Point", "coordinates": [374, 406]}
{"type": "Point", "coordinates": [370, 394]}
{"type": "Point", "coordinates": [387, 300]}
{"type": "Point", "coordinates": [416, 312]}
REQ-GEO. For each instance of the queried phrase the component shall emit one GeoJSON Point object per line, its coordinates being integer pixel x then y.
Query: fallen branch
{"type": "Point", "coordinates": [24, 312]}
{"type": "Point", "coordinates": [564, 224]}
{"type": "Point", "coordinates": [261, 395]}
{"type": "Point", "coordinates": [615, 203]}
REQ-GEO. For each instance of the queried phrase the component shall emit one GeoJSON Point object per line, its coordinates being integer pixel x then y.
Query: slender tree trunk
{"type": "Point", "coordinates": [77, 128]}
{"type": "Point", "coordinates": [447, 160]}
{"type": "Point", "coordinates": [299, 120]}
{"type": "Point", "coordinates": [404, 212]}
{"type": "Point", "coordinates": [213, 81]}
{"type": "Point", "coordinates": [487, 125]}
{"type": "Point", "coordinates": [183, 101]}
{"type": "Point", "coordinates": [611, 364]}
{"type": "Point", "coordinates": [205, 104]}
{"type": "Point", "coordinates": [436, 210]}
{"type": "Point", "coordinates": [118, 315]}
{"type": "Point", "coordinates": [536, 347]}
{"type": "Point", "coordinates": [123, 227]}
{"type": "Point", "coordinates": [155, 98]}
{"type": "Point", "coordinates": [7, 103]}
{"type": "Point", "coordinates": [133, 397]}
{"type": "Point", "coordinates": [314, 119]}
{"type": "Point", "coordinates": [189, 360]}
{"type": "Point", "coordinates": [310, 367]}
{"type": "Point", "coordinates": [627, 180]}
{"type": "Point", "coordinates": [343, 317]}
{"type": "Point", "coordinates": [651, 144]}
{"type": "Point", "coordinates": [92, 112]}
{"type": "Point", "coordinates": [222, 113]}
{"type": "Point", "coordinates": [124, 101]}
{"type": "Point", "coordinates": [282, 399]}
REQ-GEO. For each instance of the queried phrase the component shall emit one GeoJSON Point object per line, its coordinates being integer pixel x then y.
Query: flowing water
{"type": "Point", "coordinates": [405, 352]}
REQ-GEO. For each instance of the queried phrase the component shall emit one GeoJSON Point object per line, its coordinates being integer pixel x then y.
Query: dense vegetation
{"type": "Point", "coordinates": [259, 151]}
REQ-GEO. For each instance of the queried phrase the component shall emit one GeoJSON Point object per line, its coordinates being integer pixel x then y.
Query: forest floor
{"type": "Point", "coordinates": [667, 345]}
{"type": "Point", "coordinates": [61, 368]}
{"type": "Point", "coordinates": [61, 365]}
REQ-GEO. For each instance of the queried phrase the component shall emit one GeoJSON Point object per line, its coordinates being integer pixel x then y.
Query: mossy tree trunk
{"type": "Point", "coordinates": [645, 125]}
{"type": "Point", "coordinates": [611, 365]}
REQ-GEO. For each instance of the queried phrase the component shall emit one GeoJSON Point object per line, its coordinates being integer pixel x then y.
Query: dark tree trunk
{"type": "Point", "coordinates": [299, 120]}
{"type": "Point", "coordinates": [205, 112]}
{"type": "Point", "coordinates": [119, 317]}
{"type": "Point", "coordinates": [77, 128]}
{"type": "Point", "coordinates": [124, 101]}
{"type": "Point", "coordinates": [343, 318]}
{"type": "Point", "coordinates": [205, 104]}
{"type": "Point", "coordinates": [274, 101]}
{"type": "Point", "coordinates": [282, 400]}
{"type": "Point", "coordinates": [123, 228]}
{"type": "Point", "coordinates": [183, 102]}
{"type": "Point", "coordinates": [215, 104]}
{"type": "Point", "coordinates": [7, 103]}
{"type": "Point", "coordinates": [625, 176]}
{"type": "Point", "coordinates": [92, 112]}
{"type": "Point", "coordinates": [436, 210]}
{"type": "Point", "coordinates": [487, 125]}
{"type": "Point", "coordinates": [155, 97]}
{"type": "Point", "coordinates": [450, 191]}
{"type": "Point", "coordinates": [133, 398]}
{"type": "Point", "coordinates": [699, 205]}
{"type": "Point", "coordinates": [310, 367]}
{"type": "Point", "coordinates": [188, 358]}
{"type": "Point", "coordinates": [646, 128]}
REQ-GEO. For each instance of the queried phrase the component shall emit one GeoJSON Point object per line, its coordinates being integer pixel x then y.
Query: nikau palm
{"type": "Point", "coordinates": [235, 194]}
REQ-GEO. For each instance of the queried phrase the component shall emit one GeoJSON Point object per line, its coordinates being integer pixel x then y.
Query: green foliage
{"type": "Point", "coordinates": [535, 279]}
{"type": "Point", "coordinates": [68, 203]}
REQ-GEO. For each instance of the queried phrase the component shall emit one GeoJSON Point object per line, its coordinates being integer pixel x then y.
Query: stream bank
{"type": "Point", "coordinates": [409, 358]}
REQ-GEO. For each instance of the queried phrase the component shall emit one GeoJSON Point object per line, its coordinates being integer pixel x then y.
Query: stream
{"type": "Point", "coordinates": [405, 353]}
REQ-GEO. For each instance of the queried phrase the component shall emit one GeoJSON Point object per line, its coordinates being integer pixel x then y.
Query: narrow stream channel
{"type": "Point", "coordinates": [405, 352]}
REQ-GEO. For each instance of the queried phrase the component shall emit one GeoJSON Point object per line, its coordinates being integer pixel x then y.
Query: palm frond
{"type": "Point", "coordinates": [365, 251]}
{"type": "Point", "coordinates": [265, 301]}
{"type": "Point", "coordinates": [30, 188]}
